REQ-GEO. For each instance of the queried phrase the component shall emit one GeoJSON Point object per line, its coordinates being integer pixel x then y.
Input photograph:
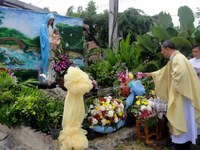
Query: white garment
{"type": "Point", "coordinates": [196, 64]}
{"type": "Point", "coordinates": [193, 131]}
{"type": "Point", "coordinates": [50, 33]}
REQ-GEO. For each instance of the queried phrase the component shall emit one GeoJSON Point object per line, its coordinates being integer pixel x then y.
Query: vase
{"type": "Point", "coordinates": [55, 133]}
{"type": "Point", "coordinates": [124, 89]}
{"type": "Point", "coordinates": [60, 82]}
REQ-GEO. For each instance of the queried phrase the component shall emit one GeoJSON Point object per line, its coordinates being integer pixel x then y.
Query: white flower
{"type": "Point", "coordinates": [150, 99]}
{"type": "Point", "coordinates": [116, 119]}
{"type": "Point", "coordinates": [108, 99]}
{"type": "Point", "coordinates": [148, 107]}
{"type": "Point", "coordinates": [92, 111]}
{"type": "Point", "coordinates": [118, 110]}
{"type": "Point", "coordinates": [149, 103]}
{"type": "Point", "coordinates": [143, 107]}
{"type": "Point", "coordinates": [94, 121]}
{"type": "Point", "coordinates": [121, 106]}
{"type": "Point", "coordinates": [110, 113]}
{"type": "Point", "coordinates": [103, 121]}
{"type": "Point", "coordinates": [91, 106]}
{"type": "Point", "coordinates": [102, 108]}
{"type": "Point", "coordinates": [109, 107]}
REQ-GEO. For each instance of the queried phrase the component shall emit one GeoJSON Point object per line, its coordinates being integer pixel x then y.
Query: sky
{"type": "Point", "coordinates": [150, 7]}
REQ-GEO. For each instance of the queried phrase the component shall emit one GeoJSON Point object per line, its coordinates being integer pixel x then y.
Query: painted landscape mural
{"type": "Point", "coordinates": [19, 38]}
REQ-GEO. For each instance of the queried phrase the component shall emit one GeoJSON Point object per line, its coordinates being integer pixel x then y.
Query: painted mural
{"type": "Point", "coordinates": [19, 38]}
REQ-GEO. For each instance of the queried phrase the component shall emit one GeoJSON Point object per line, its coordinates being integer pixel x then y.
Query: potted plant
{"type": "Point", "coordinates": [55, 110]}
{"type": "Point", "coordinates": [56, 128]}
{"type": "Point", "coordinates": [61, 63]}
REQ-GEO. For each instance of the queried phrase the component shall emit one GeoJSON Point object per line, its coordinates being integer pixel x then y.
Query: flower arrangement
{"type": "Point", "coordinates": [61, 62]}
{"type": "Point", "coordinates": [106, 112]}
{"type": "Point", "coordinates": [143, 110]}
{"type": "Point", "coordinates": [124, 77]}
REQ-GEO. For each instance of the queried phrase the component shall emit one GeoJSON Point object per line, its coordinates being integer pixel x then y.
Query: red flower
{"type": "Point", "coordinates": [102, 99]}
{"type": "Point", "coordinates": [123, 80]}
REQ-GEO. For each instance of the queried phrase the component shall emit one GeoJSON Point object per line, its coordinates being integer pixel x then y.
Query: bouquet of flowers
{"type": "Point", "coordinates": [106, 112]}
{"type": "Point", "coordinates": [61, 63]}
{"type": "Point", "coordinates": [143, 110]}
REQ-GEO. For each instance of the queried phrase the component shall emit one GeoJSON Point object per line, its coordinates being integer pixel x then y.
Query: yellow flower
{"type": "Point", "coordinates": [101, 117]}
{"type": "Point", "coordinates": [138, 102]}
{"type": "Point", "coordinates": [107, 121]}
{"type": "Point", "coordinates": [130, 75]}
{"type": "Point", "coordinates": [107, 103]}
{"type": "Point", "coordinates": [120, 114]}
{"type": "Point", "coordinates": [145, 102]}
{"type": "Point", "coordinates": [97, 107]}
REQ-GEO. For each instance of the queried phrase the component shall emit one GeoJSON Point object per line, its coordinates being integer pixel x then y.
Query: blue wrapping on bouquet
{"type": "Point", "coordinates": [110, 129]}
{"type": "Point", "coordinates": [136, 88]}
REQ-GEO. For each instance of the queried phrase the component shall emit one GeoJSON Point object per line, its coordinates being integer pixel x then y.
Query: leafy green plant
{"type": "Point", "coordinates": [6, 97]}
{"type": "Point", "coordinates": [110, 56]}
{"type": "Point", "coordinates": [23, 104]}
{"type": "Point", "coordinates": [6, 81]}
{"type": "Point", "coordinates": [126, 52]}
{"type": "Point", "coordinates": [55, 111]}
{"type": "Point", "coordinates": [163, 29]}
{"type": "Point", "coordinates": [31, 106]}
{"type": "Point", "coordinates": [28, 83]}
{"type": "Point", "coordinates": [8, 116]}
{"type": "Point", "coordinates": [129, 53]}
{"type": "Point", "coordinates": [101, 71]}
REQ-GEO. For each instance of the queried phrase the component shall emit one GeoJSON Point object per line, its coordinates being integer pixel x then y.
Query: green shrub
{"type": "Point", "coordinates": [101, 71]}
{"type": "Point", "coordinates": [23, 104]}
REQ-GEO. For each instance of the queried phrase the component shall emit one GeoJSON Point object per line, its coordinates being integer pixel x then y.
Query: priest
{"type": "Point", "coordinates": [178, 83]}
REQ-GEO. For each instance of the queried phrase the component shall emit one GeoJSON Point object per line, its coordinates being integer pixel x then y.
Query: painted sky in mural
{"type": "Point", "coordinates": [22, 27]}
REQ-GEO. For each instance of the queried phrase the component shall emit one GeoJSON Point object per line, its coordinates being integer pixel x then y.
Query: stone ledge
{"type": "Point", "coordinates": [30, 138]}
{"type": "Point", "coordinates": [112, 140]}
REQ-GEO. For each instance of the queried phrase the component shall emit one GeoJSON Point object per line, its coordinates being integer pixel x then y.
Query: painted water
{"type": "Point", "coordinates": [19, 59]}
